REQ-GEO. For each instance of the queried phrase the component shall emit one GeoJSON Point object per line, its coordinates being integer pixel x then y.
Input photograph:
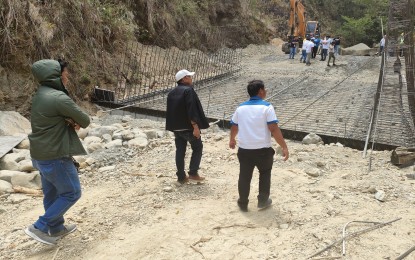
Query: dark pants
{"type": "Point", "coordinates": [181, 139]}
{"type": "Point", "coordinates": [314, 53]}
{"type": "Point", "coordinates": [331, 55]}
{"type": "Point", "coordinates": [248, 159]}
{"type": "Point", "coordinates": [324, 54]}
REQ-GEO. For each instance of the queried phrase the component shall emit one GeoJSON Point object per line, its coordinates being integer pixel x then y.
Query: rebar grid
{"type": "Point", "coordinates": [394, 109]}
{"type": "Point", "coordinates": [379, 109]}
{"type": "Point", "coordinates": [145, 71]}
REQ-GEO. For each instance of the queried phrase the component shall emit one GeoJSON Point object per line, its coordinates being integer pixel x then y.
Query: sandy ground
{"type": "Point", "coordinates": [138, 211]}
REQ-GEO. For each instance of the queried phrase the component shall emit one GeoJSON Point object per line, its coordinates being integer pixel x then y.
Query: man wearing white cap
{"type": "Point", "coordinates": [185, 117]}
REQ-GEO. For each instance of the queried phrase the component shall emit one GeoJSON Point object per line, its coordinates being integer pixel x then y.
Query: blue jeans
{"type": "Point", "coordinates": [303, 55]}
{"type": "Point", "coordinates": [181, 139]}
{"type": "Point", "coordinates": [336, 49]}
{"type": "Point", "coordinates": [61, 189]}
{"type": "Point", "coordinates": [324, 54]}
{"type": "Point", "coordinates": [292, 53]}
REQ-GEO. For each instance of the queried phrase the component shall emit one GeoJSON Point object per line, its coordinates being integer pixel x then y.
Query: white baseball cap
{"type": "Point", "coordinates": [183, 73]}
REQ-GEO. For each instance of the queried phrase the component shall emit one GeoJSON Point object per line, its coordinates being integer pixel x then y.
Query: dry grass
{"type": "Point", "coordinates": [92, 34]}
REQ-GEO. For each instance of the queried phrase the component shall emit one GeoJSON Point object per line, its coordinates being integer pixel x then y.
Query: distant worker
{"type": "Point", "coordinates": [331, 54]}
{"type": "Point", "coordinates": [303, 51]}
{"type": "Point", "coordinates": [255, 122]}
{"type": "Point", "coordinates": [55, 117]}
{"type": "Point", "coordinates": [293, 47]}
{"type": "Point", "coordinates": [325, 43]}
{"type": "Point", "coordinates": [401, 42]}
{"type": "Point", "coordinates": [185, 118]}
{"type": "Point", "coordinates": [382, 45]}
{"type": "Point", "coordinates": [309, 50]}
{"type": "Point", "coordinates": [315, 49]}
{"type": "Point", "coordinates": [336, 41]}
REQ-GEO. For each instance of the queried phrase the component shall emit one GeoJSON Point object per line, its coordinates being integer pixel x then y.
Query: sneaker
{"type": "Point", "coordinates": [184, 181]}
{"type": "Point", "coordinates": [196, 178]}
{"type": "Point", "coordinates": [328, 65]}
{"type": "Point", "coordinates": [40, 236]}
{"type": "Point", "coordinates": [264, 204]}
{"type": "Point", "coordinates": [243, 206]}
{"type": "Point", "coordinates": [67, 229]}
{"type": "Point", "coordinates": [334, 64]}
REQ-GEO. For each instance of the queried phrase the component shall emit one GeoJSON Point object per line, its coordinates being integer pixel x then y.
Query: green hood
{"type": "Point", "coordinates": [48, 73]}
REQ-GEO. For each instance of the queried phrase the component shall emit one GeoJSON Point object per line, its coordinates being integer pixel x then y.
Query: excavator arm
{"type": "Point", "coordinates": [297, 22]}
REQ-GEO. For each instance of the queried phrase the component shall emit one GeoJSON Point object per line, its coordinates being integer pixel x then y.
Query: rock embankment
{"type": "Point", "coordinates": [131, 201]}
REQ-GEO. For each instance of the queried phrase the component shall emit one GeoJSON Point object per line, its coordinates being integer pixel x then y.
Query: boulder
{"type": "Point", "coordinates": [138, 133]}
{"type": "Point", "coordinates": [118, 126]}
{"type": "Point", "coordinates": [11, 161]}
{"type": "Point", "coordinates": [25, 144]}
{"type": "Point", "coordinates": [126, 119]}
{"type": "Point", "coordinates": [95, 146]}
{"type": "Point", "coordinates": [82, 133]}
{"type": "Point", "coordinates": [27, 180]}
{"type": "Point", "coordinates": [151, 134]}
{"type": "Point", "coordinates": [7, 175]}
{"type": "Point", "coordinates": [107, 138]}
{"type": "Point", "coordinates": [115, 143]}
{"type": "Point", "coordinates": [117, 135]}
{"type": "Point", "coordinates": [161, 134]}
{"type": "Point", "coordinates": [12, 123]}
{"type": "Point", "coordinates": [26, 166]}
{"type": "Point", "coordinates": [5, 187]}
{"type": "Point", "coordinates": [140, 142]}
{"type": "Point", "coordinates": [312, 138]}
{"type": "Point", "coordinates": [100, 131]}
{"type": "Point", "coordinates": [92, 139]}
{"type": "Point", "coordinates": [127, 135]}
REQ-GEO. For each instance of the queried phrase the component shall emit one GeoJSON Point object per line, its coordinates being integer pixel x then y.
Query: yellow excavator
{"type": "Point", "coordinates": [298, 27]}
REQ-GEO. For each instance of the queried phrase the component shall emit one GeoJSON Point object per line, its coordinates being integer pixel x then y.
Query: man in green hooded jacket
{"type": "Point", "coordinates": [54, 119]}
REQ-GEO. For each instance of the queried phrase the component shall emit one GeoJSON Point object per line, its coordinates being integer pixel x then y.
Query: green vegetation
{"type": "Point", "coordinates": [354, 20]}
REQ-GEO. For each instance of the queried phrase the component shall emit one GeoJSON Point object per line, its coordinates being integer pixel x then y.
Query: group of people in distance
{"type": "Point", "coordinates": [55, 118]}
{"type": "Point", "coordinates": [309, 48]}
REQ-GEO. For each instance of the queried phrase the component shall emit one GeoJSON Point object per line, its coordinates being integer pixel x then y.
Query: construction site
{"type": "Point", "coordinates": [340, 104]}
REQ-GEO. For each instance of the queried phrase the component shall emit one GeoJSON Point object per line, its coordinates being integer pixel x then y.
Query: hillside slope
{"type": "Point", "coordinates": [91, 35]}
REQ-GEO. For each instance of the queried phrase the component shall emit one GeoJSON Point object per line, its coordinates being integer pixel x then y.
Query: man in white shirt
{"type": "Point", "coordinates": [382, 45]}
{"type": "Point", "coordinates": [255, 121]}
{"type": "Point", "coordinates": [325, 43]}
{"type": "Point", "coordinates": [309, 48]}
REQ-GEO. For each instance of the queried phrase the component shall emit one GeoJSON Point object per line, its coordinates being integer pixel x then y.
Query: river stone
{"type": "Point", "coordinates": [312, 138]}
{"type": "Point", "coordinates": [380, 195]}
{"type": "Point", "coordinates": [5, 187]}
{"type": "Point", "coordinates": [140, 142]}
{"type": "Point", "coordinates": [25, 144]}
{"type": "Point", "coordinates": [27, 180]}
{"type": "Point", "coordinates": [26, 166]}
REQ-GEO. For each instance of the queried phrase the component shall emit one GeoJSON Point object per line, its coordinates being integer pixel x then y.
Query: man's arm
{"type": "Point", "coordinates": [276, 133]}
{"type": "Point", "coordinates": [196, 130]}
{"type": "Point", "coordinates": [68, 108]}
{"type": "Point", "coordinates": [234, 132]}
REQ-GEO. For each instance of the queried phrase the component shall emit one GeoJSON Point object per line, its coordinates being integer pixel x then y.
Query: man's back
{"type": "Point", "coordinates": [253, 118]}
